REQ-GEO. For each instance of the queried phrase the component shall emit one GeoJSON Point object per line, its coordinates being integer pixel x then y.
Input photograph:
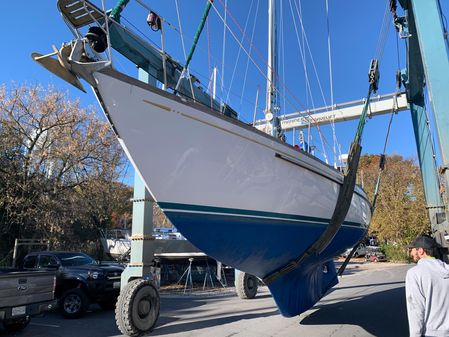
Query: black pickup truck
{"type": "Point", "coordinates": [80, 280]}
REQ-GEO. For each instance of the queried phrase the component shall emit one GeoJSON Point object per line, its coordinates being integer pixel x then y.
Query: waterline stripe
{"type": "Point", "coordinates": [302, 222]}
{"type": "Point", "coordinates": [167, 206]}
{"type": "Point", "coordinates": [243, 216]}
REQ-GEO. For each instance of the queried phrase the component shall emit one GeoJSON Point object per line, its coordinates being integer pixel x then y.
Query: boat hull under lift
{"type": "Point", "coordinates": [237, 194]}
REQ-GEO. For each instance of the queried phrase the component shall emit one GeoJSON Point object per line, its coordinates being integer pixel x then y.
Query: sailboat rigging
{"type": "Point", "coordinates": [216, 176]}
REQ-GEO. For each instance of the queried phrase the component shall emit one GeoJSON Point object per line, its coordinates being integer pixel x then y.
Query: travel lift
{"type": "Point", "coordinates": [138, 305]}
{"type": "Point", "coordinates": [427, 62]}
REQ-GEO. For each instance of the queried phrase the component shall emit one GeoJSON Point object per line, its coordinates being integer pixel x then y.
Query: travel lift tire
{"type": "Point", "coordinates": [137, 308]}
{"type": "Point", "coordinates": [246, 285]}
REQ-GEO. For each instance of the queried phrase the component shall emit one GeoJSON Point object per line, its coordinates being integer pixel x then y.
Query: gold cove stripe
{"type": "Point", "coordinates": [166, 108]}
{"type": "Point", "coordinates": [204, 122]}
{"type": "Point", "coordinates": [301, 163]}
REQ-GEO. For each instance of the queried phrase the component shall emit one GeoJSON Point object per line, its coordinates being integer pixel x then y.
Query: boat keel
{"type": "Point", "coordinates": [302, 288]}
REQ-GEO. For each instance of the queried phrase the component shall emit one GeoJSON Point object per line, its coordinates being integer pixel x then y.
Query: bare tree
{"type": "Point", "coordinates": [59, 166]}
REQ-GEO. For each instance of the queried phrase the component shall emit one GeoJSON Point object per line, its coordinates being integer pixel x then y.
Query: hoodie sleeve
{"type": "Point", "coordinates": [415, 304]}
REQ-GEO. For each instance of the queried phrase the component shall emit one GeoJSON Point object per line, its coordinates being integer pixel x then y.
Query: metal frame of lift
{"type": "Point", "coordinates": [428, 65]}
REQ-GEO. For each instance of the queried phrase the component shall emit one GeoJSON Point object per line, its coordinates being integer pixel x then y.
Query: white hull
{"type": "Point", "coordinates": [188, 155]}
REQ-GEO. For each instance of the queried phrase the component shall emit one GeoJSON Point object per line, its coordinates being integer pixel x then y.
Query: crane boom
{"type": "Point", "coordinates": [339, 112]}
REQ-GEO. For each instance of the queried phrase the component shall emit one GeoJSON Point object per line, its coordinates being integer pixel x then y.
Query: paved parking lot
{"type": "Point", "coordinates": [368, 301]}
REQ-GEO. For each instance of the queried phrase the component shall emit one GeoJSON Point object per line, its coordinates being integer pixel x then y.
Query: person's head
{"type": "Point", "coordinates": [423, 246]}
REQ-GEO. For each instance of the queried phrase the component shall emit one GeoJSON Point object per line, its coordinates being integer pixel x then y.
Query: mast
{"type": "Point", "coordinates": [272, 106]}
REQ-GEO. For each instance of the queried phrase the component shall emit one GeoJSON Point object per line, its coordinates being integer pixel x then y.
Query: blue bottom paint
{"type": "Point", "coordinates": [259, 246]}
{"type": "Point", "coordinates": [300, 289]}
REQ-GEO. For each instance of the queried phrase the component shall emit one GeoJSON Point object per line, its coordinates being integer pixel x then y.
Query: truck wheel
{"type": "Point", "coordinates": [137, 308]}
{"type": "Point", "coordinates": [16, 324]}
{"type": "Point", "coordinates": [73, 303]}
{"type": "Point", "coordinates": [246, 285]}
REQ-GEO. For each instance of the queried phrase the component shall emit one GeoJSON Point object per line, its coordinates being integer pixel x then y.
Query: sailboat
{"type": "Point", "coordinates": [242, 196]}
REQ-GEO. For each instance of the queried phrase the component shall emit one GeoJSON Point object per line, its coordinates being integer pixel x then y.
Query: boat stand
{"type": "Point", "coordinates": [188, 274]}
{"type": "Point", "coordinates": [208, 277]}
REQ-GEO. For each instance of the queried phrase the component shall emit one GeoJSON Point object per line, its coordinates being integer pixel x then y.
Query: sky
{"type": "Point", "coordinates": [355, 27]}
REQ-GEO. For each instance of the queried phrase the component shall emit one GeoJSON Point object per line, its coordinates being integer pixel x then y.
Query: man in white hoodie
{"type": "Point", "coordinates": [427, 291]}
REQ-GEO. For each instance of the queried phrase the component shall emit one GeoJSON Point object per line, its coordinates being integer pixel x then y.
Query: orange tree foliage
{"type": "Point", "coordinates": [400, 213]}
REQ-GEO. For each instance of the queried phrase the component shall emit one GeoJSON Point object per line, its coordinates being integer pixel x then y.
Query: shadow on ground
{"type": "Point", "coordinates": [381, 314]}
{"type": "Point", "coordinates": [206, 322]}
{"type": "Point", "coordinates": [204, 318]}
